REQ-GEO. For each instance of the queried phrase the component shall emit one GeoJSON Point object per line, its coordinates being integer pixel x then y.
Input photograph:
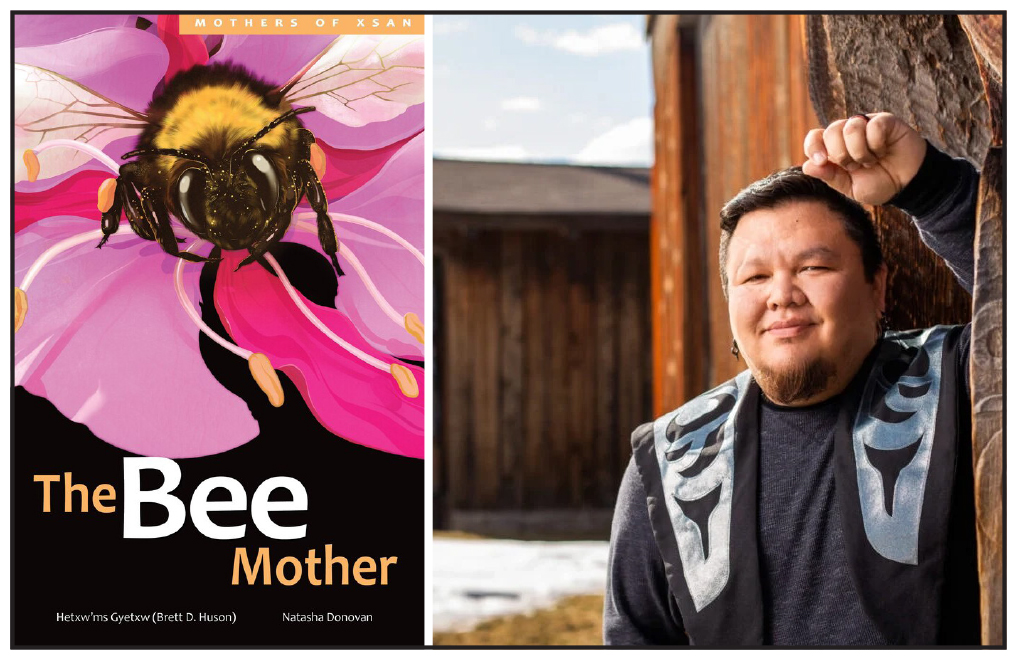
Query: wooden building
{"type": "Point", "coordinates": [543, 343]}
{"type": "Point", "coordinates": [735, 96]}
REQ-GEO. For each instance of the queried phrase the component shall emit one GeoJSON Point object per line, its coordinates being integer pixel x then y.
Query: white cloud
{"type": "Point", "coordinates": [445, 26]}
{"type": "Point", "coordinates": [630, 143]}
{"type": "Point", "coordinates": [490, 124]}
{"type": "Point", "coordinates": [600, 40]}
{"type": "Point", "coordinates": [521, 104]}
{"type": "Point", "coordinates": [527, 34]}
{"type": "Point", "coordinates": [504, 152]}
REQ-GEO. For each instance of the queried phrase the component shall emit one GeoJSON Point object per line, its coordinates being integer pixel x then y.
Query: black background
{"type": "Point", "coordinates": [361, 501]}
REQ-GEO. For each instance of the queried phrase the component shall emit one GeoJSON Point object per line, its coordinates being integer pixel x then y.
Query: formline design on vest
{"type": "Point", "coordinates": [695, 452]}
{"type": "Point", "coordinates": [893, 440]}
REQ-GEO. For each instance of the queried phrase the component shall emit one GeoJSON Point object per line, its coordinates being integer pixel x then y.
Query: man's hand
{"type": "Point", "coordinates": [869, 161]}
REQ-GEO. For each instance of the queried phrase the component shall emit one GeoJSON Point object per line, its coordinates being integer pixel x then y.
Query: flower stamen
{"type": "Point", "coordinates": [412, 325]}
{"type": "Point", "coordinates": [192, 313]}
{"type": "Point", "coordinates": [21, 293]}
{"type": "Point", "coordinates": [374, 226]}
{"type": "Point", "coordinates": [295, 297]}
{"type": "Point", "coordinates": [32, 159]}
{"type": "Point", "coordinates": [53, 251]}
{"type": "Point", "coordinates": [403, 376]}
{"type": "Point", "coordinates": [261, 367]}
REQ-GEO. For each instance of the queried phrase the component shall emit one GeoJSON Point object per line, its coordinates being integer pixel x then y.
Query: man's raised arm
{"type": "Point", "coordinates": [879, 159]}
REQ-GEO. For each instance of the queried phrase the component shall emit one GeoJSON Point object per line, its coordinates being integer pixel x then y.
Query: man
{"type": "Point", "coordinates": [823, 496]}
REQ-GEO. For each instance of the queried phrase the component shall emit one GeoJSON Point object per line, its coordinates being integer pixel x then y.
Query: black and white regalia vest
{"type": "Point", "coordinates": [895, 458]}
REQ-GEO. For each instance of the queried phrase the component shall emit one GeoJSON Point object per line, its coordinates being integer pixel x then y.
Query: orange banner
{"type": "Point", "coordinates": [301, 24]}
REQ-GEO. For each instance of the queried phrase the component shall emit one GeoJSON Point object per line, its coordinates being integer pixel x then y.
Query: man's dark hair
{"type": "Point", "coordinates": [793, 185]}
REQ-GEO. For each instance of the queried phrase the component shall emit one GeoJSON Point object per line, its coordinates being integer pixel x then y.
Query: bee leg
{"type": "Point", "coordinates": [152, 205]}
{"type": "Point", "coordinates": [316, 198]}
{"type": "Point", "coordinates": [274, 232]}
{"type": "Point", "coordinates": [125, 200]}
{"type": "Point", "coordinates": [256, 254]}
{"type": "Point", "coordinates": [110, 222]}
{"type": "Point", "coordinates": [141, 222]}
{"type": "Point", "coordinates": [308, 175]}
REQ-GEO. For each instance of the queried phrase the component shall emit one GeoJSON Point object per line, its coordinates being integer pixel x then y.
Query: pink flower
{"type": "Point", "coordinates": [122, 339]}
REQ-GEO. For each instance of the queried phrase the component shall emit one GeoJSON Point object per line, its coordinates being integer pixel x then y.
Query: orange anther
{"type": "Point", "coordinates": [32, 163]}
{"type": "Point", "coordinates": [406, 381]}
{"type": "Point", "coordinates": [20, 308]}
{"type": "Point", "coordinates": [414, 326]}
{"type": "Point", "coordinates": [106, 193]}
{"type": "Point", "coordinates": [266, 377]}
{"type": "Point", "coordinates": [318, 160]}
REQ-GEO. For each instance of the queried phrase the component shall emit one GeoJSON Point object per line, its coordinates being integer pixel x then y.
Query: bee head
{"type": "Point", "coordinates": [230, 205]}
{"type": "Point", "coordinates": [230, 201]}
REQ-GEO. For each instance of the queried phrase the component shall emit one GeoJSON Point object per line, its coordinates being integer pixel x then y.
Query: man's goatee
{"type": "Point", "coordinates": [799, 381]}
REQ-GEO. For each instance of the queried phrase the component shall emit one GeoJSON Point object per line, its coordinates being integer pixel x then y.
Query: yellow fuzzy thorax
{"type": "Point", "coordinates": [231, 111]}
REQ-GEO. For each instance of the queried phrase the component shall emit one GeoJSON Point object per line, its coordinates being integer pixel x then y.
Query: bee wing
{"type": "Point", "coordinates": [48, 106]}
{"type": "Point", "coordinates": [358, 80]}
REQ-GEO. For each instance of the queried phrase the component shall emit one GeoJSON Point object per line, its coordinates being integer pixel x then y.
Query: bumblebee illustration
{"type": "Point", "coordinates": [219, 149]}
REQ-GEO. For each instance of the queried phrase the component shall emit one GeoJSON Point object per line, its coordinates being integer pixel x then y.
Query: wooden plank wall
{"type": "Point", "coordinates": [732, 106]}
{"type": "Point", "coordinates": [756, 112]}
{"type": "Point", "coordinates": [677, 263]}
{"type": "Point", "coordinates": [545, 366]}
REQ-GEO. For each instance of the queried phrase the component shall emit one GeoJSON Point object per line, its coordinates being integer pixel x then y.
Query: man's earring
{"type": "Point", "coordinates": [884, 324]}
{"type": "Point", "coordinates": [734, 349]}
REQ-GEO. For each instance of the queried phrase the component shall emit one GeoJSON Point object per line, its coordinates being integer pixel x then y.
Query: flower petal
{"type": "Point", "coordinates": [185, 50]}
{"type": "Point", "coordinates": [351, 398]}
{"type": "Point", "coordinates": [122, 64]}
{"type": "Point", "coordinates": [105, 340]}
{"type": "Point", "coordinates": [73, 196]}
{"type": "Point", "coordinates": [346, 170]}
{"type": "Point", "coordinates": [372, 136]}
{"type": "Point", "coordinates": [395, 199]}
{"type": "Point", "coordinates": [275, 59]}
{"type": "Point", "coordinates": [43, 29]}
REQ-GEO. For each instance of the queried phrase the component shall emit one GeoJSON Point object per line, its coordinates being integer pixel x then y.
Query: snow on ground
{"type": "Point", "coordinates": [479, 579]}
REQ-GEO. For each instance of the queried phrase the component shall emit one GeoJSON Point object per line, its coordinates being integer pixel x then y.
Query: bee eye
{"type": "Point", "coordinates": [191, 190]}
{"type": "Point", "coordinates": [263, 175]}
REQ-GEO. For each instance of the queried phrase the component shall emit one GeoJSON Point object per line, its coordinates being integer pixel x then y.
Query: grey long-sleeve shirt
{"type": "Point", "coordinates": [808, 594]}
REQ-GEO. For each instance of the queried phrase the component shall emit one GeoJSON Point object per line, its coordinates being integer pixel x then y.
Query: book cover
{"type": "Point", "coordinates": [218, 387]}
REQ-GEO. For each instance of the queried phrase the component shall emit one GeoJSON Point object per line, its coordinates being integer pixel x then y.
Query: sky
{"type": "Point", "coordinates": [548, 89]}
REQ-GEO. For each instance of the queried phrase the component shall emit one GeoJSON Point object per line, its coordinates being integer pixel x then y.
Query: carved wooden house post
{"type": "Point", "coordinates": [986, 35]}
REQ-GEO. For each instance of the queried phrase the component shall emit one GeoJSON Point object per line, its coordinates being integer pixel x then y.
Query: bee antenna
{"type": "Point", "coordinates": [179, 153]}
{"type": "Point", "coordinates": [272, 124]}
